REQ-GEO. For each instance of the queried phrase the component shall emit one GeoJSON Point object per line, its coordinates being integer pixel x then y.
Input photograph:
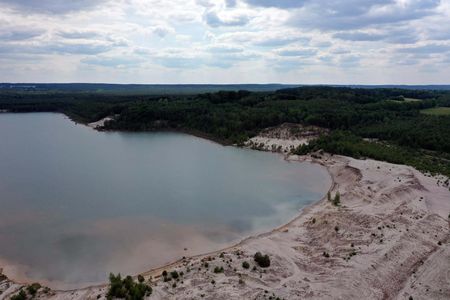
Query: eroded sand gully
{"type": "Point", "coordinates": [389, 239]}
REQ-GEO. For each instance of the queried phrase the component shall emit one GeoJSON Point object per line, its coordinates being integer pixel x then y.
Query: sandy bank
{"type": "Point", "coordinates": [100, 123]}
{"type": "Point", "coordinates": [389, 239]}
{"type": "Point", "coordinates": [284, 138]}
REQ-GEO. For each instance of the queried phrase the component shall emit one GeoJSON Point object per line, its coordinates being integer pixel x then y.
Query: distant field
{"type": "Point", "coordinates": [437, 111]}
{"type": "Point", "coordinates": [412, 100]}
{"type": "Point", "coordinates": [406, 100]}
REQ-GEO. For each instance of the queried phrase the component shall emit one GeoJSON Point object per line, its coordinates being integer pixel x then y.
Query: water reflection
{"type": "Point", "coordinates": [77, 204]}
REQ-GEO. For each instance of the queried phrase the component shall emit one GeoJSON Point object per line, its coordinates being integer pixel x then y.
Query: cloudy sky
{"type": "Point", "coordinates": [225, 41]}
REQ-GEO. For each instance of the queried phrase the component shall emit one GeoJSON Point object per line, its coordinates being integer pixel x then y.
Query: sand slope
{"type": "Point", "coordinates": [382, 244]}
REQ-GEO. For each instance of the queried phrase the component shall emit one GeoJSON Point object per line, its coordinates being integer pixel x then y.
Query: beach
{"type": "Point", "coordinates": [388, 239]}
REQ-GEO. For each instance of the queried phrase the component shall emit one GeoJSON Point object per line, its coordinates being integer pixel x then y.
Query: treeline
{"type": "Point", "coordinates": [390, 115]}
{"type": "Point", "coordinates": [236, 116]}
{"type": "Point", "coordinates": [82, 107]}
{"type": "Point", "coordinates": [345, 143]}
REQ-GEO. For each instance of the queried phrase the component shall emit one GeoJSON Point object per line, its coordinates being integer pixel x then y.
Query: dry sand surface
{"type": "Point", "coordinates": [284, 138]}
{"type": "Point", "coordinates": [100, 123]}
{"type": "Point", "coordinates": [389, 239]}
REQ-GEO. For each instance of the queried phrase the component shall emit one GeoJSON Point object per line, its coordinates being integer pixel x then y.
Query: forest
{"type": "Point", "coordinates": [381, 123]}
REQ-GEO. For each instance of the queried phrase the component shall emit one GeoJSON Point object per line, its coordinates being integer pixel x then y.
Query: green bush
{"type": "Point", "coordinates": [245, 265]}
{"type": "Point", "coordinates": [262, 260]}
{"type": "Point", "coordinates": [337, 199]}
{"type": "Point", "coordinates": [20, 296]}
{"type": "Point", "coordinates": [33, 288]}
{"type": "Point", "coordinates": [174, 274]}
{"type": "Point", "coordinates": [218, 270]}
{"type": "Point", "coordinates": [348, 144]}
{"type": "Point", "coordinates": [126, 288]}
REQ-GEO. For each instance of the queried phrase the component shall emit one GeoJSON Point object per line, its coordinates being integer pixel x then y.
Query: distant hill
{"type": "Point", "coordinates": [180, 89]}
{"type": "Point", "coordinates": [404, 87]}
{"type": "Point", "coordinates": [149, 89]}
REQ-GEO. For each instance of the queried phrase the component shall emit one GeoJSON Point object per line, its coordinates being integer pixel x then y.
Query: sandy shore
{"type": "Point", "coordinates": [100, 123]}
{"type": "Point", "coordinates": [389, 239]}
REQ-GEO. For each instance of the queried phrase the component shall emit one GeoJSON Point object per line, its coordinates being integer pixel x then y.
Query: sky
{"type": "Point", "coordinates": [226, 41]}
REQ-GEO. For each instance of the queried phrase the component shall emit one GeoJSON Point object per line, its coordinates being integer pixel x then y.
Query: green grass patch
{"type": "Point", "coordinates": [412, 100]}
{"type": "Point", "coordinates": [405, 100]}
{"type": "Point", "coordinates": [437, 111]}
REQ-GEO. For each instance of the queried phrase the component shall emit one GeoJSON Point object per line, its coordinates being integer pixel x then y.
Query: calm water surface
{"type": "Point", "coordinates": [76, 204]}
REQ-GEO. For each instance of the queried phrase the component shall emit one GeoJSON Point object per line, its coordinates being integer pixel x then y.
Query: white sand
{"type": "Point", "coordinates": [284, 138]}
{"type": "Point", "coordinates": [100, 123]}
{"type": "Point", "coordinates": [276, 145]}
{"type": "Point", "coordinates": [393, 215]}
{"type": "Point", "coordinates": [389, 239]}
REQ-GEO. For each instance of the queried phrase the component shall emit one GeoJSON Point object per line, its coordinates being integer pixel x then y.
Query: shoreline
{"type": "Point", "coordinates": [235, 244]}
{"type": "Point", "coordinates": [156, 272]}
{"type": "Point", "coordinates": [99, 126]}
{"type": "Point", "coordinates": [382, 243]}
{"type": "Point", "coordinates": [232, 245]}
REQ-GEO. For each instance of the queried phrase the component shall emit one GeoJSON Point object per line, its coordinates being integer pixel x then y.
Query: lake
{"type": "Point", "coordinates": [76, 204]}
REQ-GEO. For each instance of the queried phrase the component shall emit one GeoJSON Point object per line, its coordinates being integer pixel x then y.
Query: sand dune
{"type": "Point", "coordinates": [389, 239]}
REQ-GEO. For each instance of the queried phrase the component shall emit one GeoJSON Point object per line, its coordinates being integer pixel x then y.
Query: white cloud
{"type": "Point", "coordinates": [214, 20]}
{"type": "Point", "coordinates": [162, 30]}
{"type": "Point", "coordinates": [198, 40]}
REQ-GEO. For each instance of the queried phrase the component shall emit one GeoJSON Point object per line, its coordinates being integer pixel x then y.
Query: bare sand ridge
{"type": "Point", "coordinates": [389, 239]}
{"type": "Point", "coordinates": [100, 123]}
{"type": "Point", "coordinates": [284, 138]}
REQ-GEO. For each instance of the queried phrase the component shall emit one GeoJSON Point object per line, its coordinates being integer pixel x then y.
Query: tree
{"type": "Point", "coordinates": [245, 265]}
{"type": "Point", "coordinates": [262, 260]}
{"type": "Point", "coordinates": [33, 288]}
{"type": "Point", "coordinates": [126, 288]}
{"type": "Point", "coordinates": [174, 274]}
{"type": "Point", "coordinates": [337, 199]}
{"type": "Point", "coordinates": [20, 296]}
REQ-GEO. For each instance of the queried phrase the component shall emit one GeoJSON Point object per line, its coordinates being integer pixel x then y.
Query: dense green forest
{"type": "Point", "coordinates": [389, 120]}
